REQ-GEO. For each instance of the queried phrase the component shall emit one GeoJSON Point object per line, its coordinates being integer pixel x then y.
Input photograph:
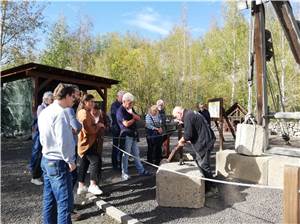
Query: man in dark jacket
{"type": "Point", "coordinates": [202, 138]}
{"type": "Point", "coordinates": [116, 154]}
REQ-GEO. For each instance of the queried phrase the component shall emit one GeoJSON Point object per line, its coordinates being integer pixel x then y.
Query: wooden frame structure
{"type": "Point", "coordinates": [46, 78]}
{"type": "Point", "coordinates": [235, 115]}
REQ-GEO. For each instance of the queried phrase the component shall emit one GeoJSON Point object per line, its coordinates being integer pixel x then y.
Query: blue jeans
{"type": "Point", "coordinates": [115, 153]}
{"type": "Point", "coordinates": [132, 147]}
{"type": "Point", "coordinates": [58, 195]}
{"type": "Point", "coordinates": [36, 154]}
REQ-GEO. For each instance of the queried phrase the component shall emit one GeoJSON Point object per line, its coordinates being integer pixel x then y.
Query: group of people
{"type": "Point", "coordinates": [126, 136]}
{"type": "Point", "coordinates": [70, 130]}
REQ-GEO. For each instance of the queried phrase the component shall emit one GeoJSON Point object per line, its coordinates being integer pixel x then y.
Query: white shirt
{"type": "Point", "coordinates": [56, 134]}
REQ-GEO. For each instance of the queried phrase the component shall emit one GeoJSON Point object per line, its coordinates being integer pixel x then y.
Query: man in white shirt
{"type": "Point", "coordinates": [58, 158]}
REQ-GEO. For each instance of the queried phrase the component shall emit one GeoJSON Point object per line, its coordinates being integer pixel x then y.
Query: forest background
{"type": "Point", "coordinates": [178, 68]}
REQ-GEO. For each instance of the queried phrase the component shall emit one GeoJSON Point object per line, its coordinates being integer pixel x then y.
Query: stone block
{"type": "Point", "coordinates": [175, 189]}
{"type": "Point", "coordinates": [276, 168]}
{"type": "Point", "coordinates": [249, 168]}
{"type": "Point", "coordinates": [250, 139]}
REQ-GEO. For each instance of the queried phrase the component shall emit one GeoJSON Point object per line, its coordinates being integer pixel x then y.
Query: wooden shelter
{"type": "Point", "coordinates": [235, 114]}
{"type": "Point", "coordinates": [46, 78]}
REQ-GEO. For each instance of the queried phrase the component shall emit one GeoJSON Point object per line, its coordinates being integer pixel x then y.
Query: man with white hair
{"type": "Point", "coordinates": [47, 100]}
{"type": "Point", "coordinates": [115, 153]}
{"type": "Point", "coordinates": [199, 134]}
{"type": "Point", "coordinates": [127, 118]}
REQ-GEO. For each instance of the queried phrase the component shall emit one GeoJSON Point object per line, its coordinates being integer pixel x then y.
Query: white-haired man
{"type": "Point", "coordinates": [202, 138]}
{"type": "Point", "coordinates": [127, 118]}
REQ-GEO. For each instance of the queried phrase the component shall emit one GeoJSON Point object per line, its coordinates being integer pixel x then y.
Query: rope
{"type": "Point", "coordinates": [155, 136]}
{"type": "Point", "coordinates": [203, 178]}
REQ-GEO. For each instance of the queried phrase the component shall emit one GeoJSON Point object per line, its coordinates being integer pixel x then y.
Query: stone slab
{"type": "Point", "coordinates": [276, 168]}
{"type": "Point", "coordinates": [176, 189]}
{"type": "Point", "coordinates": [249, 168]}
{"type": "Point", "coordinates": [116, 214]}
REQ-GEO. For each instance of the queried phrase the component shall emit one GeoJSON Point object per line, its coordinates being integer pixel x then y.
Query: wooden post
{"type": "Point", "coordinates": [35, 100]}
{"type": "Point", "coordinates": [291, 197]}
{"type": "Point", "coordinates": [261, 68]}
{"type": "Point", "coordinates": [105, 100]}
{"type": "Point", "coordinates": [222, 140]}
{"type": "Point", "coordinates": [260, 55]}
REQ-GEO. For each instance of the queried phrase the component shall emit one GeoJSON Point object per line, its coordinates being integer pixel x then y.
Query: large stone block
{"type": "Point", "coordinates": [250, 139]}
{"type": "Point", "coordinates": [248, 168]}
{"type": "Point", "coordinates": [176, 189]}
{"type": "Point", "coordinates": [276, 168]}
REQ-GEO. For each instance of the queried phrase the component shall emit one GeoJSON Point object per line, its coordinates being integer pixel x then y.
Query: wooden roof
{"type": "Point", "coordinates": [49, 72]}
{"type": "Point", "coordinates": [236, 106]}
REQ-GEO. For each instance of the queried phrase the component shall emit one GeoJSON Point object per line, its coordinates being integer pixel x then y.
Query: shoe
{"type": "Point", "coordinates": [75, 216]}
{"type": "Point", "coordinates": [146, 173]}
{"type": "Point", "coordinates": [36, 181]}
{"type": "Point", "coordinates": [125, 176]}
{"type": "Point", "coordinates": [82, 190]}
{"type": "Point", "coordinates": [94, 189]}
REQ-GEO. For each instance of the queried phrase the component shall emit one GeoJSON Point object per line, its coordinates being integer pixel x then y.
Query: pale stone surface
{"type": "Point", "coordinates": [276, 168]}
{"type": "Point", "coordinates": [116, 214]}
{"type": "Point", "coordinates": [248, 168]}
{"type": "Point", "coordinates": [175, 189]}
{"type": "Point", "coordinates": [287, 115]}
{"type": "Point", "coordinates": [250, 139]}
{"type": "Point", "coordinates": [267, 170]}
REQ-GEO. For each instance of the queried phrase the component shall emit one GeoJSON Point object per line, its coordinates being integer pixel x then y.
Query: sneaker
{"type": "Point", "coordinates": [125, 176]}
{"type": "Point", "coordinates": [82, 190]}
{"type": "Point", "coordinates": [146, 173]}
{"type": "Point", "coordinates": [36, 181]}
{"type": "Point", "coordinates": [94, 189]}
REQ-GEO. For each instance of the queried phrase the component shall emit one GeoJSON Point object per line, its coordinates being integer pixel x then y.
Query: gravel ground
{"type": "Point", "coordinates": [21, 201]}
{"type": "Point", "coordinates": [234, 205]}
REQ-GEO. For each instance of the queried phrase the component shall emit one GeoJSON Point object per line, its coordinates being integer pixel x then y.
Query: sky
{"type": "Point", "coordinates": [151, 20]}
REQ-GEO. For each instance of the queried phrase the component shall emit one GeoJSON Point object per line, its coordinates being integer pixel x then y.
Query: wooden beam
{"type": "Point", "coordinates": [103, 95]}
{"type": "Point", "coordinates": [35, 99]}
{"type": "Point", "coordinates": [291, 198]}
{"type": "Point", "coordinates": [228, 123]}
{"type": "Point", "coordinates": [261, 68]}
{"type": "Point", "coordinates": [290, 26]}
{"type": "Point", "coordinates": [99, 90]}
{"type": "Point", "coordinates": [260, 61]}
{"type": "Point", "coordinates": [221, 136]}
{"type": "Point", "coordinates": [45, 83]}
{"type": "Point", "coordinates": [105, 100]}
{"type": "Point", "coordinates": [72, 80]}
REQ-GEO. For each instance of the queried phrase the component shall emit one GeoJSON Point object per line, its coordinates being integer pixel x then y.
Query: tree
{"type": "Point", "coordinates": [59, 49]}
{"type": "Point", "coordinates": [83, 46]}
{"type": "Point", "coordinates": [19, 22]}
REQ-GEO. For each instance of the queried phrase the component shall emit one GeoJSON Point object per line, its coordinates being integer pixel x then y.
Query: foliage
{"type": "Point", "coordinates": [180, 69]}
{"type": "Point", "coordinates": [19, 22]}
